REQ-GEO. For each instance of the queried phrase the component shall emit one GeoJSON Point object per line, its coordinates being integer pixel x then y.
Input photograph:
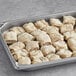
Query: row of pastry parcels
{"type": "Point", "coordinates": [41, 36]}
{"type": "Point", "coordinates": [45, 53]}
{"type": "Point", "coordinates": [29, 30]}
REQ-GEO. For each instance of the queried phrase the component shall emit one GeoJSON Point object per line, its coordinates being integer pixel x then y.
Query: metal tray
{"type": "Point", "coordinates": [6, 25]}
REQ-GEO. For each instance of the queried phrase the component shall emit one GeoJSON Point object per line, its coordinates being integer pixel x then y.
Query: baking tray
{"type": "Point", "coordinates": [6, 25]}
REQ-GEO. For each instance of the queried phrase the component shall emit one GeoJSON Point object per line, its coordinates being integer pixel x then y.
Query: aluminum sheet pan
{"type": "Point", "coordinates": [6, 25]}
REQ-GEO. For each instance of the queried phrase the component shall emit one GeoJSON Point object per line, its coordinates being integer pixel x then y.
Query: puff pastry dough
{"type": "Point", "coordinates": [72, 44]}
{"type": "Point", "coordinates": [47, 29]}
{"type": "Point", "coordinates": [25, 37]}
{"type": "Point", "coordinates": [36, 53]}
{"type": "Point", "coordinates": [42, 37]}
{"type": "Point", "coordinates": [41, 24]}
{"type": "Point", "coordinates": [53, 57]}
{"type": "Point", "coordinates": [66, 28]}
{"type": "Point", "coordinates": [64, 53]}
{"type": "Point", "coordinates": [32, 45]}
{"type": "Point", "coordinates": [39, 60]}
{"type": "Point", "coordinates": [71, 34]}
{"type": "Point", "coordinates": [46, 49]}
{"type": "Point", "coordinates": [24, 60]}
{"type": "Point", "coordinates": [20, 53]}
{"type": "Point", "coordinates": [56, 36]}
{"type": "Point", "coordinates": [17, 30]}
{"type": "Point", "coordinates": [55, 22]}
{"type": "Point", "coordinates": [10, 37]}
{"type": "Point", "coordinates": [53, 33]}
{"type": "Point", "coordinates": [44, 59]}
{"type": "Point", "coordinates": [69, 20]}
{"type": "Point", "coordinates": [60, 45]}
{"type": "Point", "coordinates": [36, 60]}
{"type": "Point", "coordinates": [29, 27]}
{"type": "Point", "coordinates": [16, 46]}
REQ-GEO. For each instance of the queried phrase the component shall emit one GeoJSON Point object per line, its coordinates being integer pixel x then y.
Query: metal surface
{"type": "Point", "coordinates": [18, 22]}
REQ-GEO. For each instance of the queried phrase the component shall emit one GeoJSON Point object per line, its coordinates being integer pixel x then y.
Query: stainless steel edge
{"type": "Point", "coordinates": [41, 65]}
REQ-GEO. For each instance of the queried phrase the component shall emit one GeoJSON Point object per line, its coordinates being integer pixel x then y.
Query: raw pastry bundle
{"type": "Point", "coordinates": [71, 34]}
{"type": "Point", "coordinates": [46, 49]}
{"type": "Point", "coordinates": [55, 22]}
{"type": "Point", "coordinates": [64, 53]}
{"type": "Point", "coordinates": [42, 37]}
{"type": "Point", "coordinates": [36, 53]}
{"type": "Point", "coordinates": [53, 32]}
{"type": "Point", "coordinates": [69, 20]}
{"type": "Point", "coordinates": [41, 24]}
{"type": "Point", "coordinates": [10, 37]}
{"type": "Point", "coordinates": [25, 37]}
{"type": "Point", "coordinates": [17, 30]}
{"type": "Point", "coordinates": [66, 28]}
{"type": "Point", "coordinates": [60, 45]}
{"type": "Point", "coordinates": [29, 27]}
{"type": "Point", "coordinates": [53, 57]}
{"type": "Point", "coordinates": [39, 60]}
{"type": "Point", "coordinates": [42, 41]}
{"type": "Point", "coordinates": [32, 45]}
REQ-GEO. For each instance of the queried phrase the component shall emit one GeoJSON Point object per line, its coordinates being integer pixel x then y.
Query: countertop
{"type": "Point", "coordinates": [16, 9]}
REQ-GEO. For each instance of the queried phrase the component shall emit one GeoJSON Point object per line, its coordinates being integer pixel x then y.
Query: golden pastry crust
{"type": "Point", "coordinates": [17, 30]}
{"type": "Point", "coordinates": [55, 22]}
{"type": "Point", "coordinates": [60, 45]}
{"type": "Point", "coordinates": [41, 24]}
{"type": "Point", "coordinates": [29, 27]}
{"type": "Point", "coordinates": [25, 37]}
{"type": "Point", "coordinates": [46, 49]}
{"type": "Point", "coordinates": [42, 37]}
{"type": "Point", "coordinates": [69, 20]}
{"type": "Point", "coordinates": [64, 53]}
{"type": "Point", "coordinates": [72, 44]}
{"type": "Point", "coordinates": [36, 53]}
{"type": "Point", "coordinates": [66, 28]}
{"type": "Point", "coordinates": [17, 46]}
{"type": "Point", "coordinates": [24, 60]}
{"type": "Point", "coordinates": [10, 37]}
{"type": "Point", "coordinates": [32, 45]}
{"type": "Point", "coordinates": [52, 57]}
